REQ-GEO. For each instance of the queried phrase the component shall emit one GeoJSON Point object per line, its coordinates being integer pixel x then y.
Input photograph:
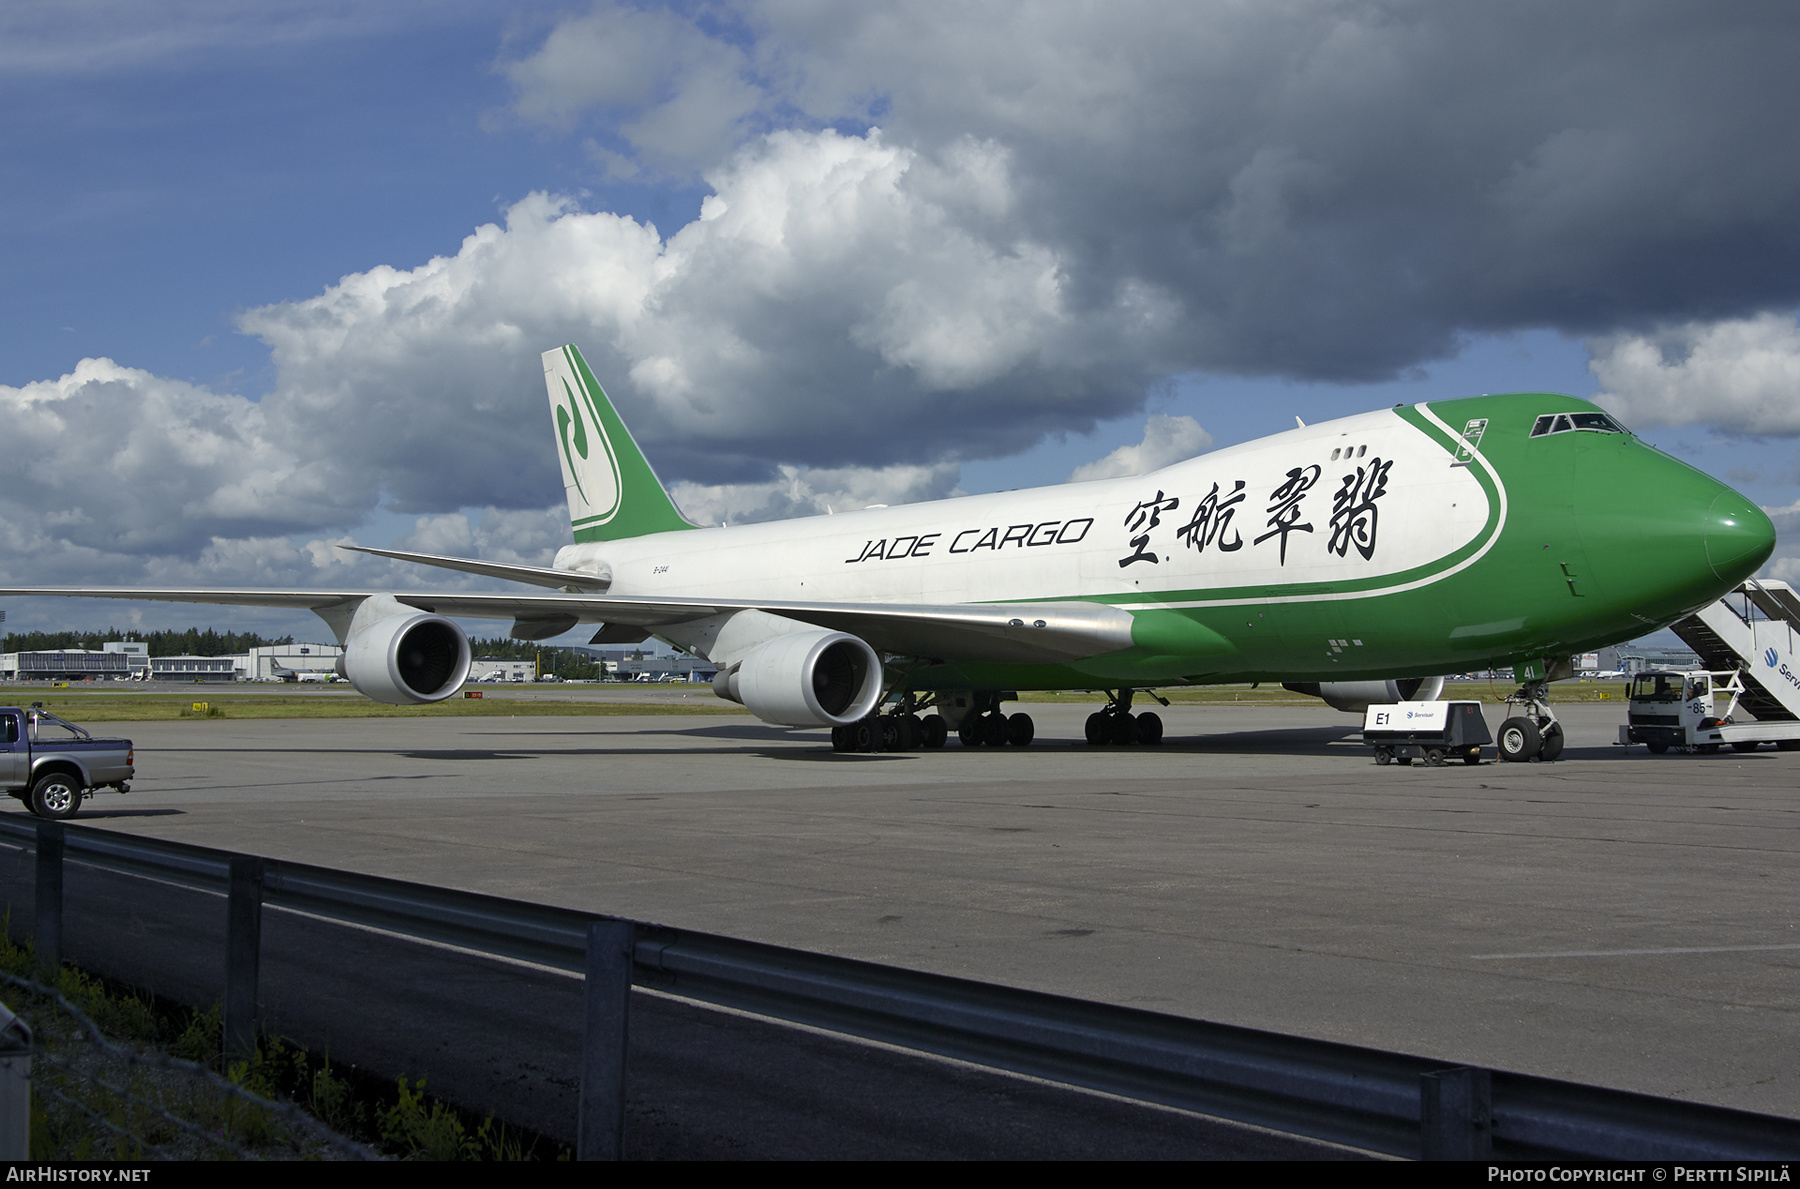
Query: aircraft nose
{"type": "Point", "coordinates": [1739, 537]}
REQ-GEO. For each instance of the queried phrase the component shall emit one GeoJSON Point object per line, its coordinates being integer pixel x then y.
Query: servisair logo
{"type": "Point", "coordinates": [590, 472]}
{"type": "Point", "coordinates": [1771, 657]}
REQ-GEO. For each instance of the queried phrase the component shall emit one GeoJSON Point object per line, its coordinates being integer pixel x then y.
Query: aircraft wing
{"type": "Point", "coordinates": [1025, 633]}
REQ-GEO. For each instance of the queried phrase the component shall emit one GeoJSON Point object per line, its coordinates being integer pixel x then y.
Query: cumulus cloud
{"type": "Point", "coordinates": [1319, 189]}
{"type": "Point", "coordinates": [113, 460]}
{"type": "Point", "coordinates": [1739, 375]}
{"type": "Point", "coordinates": [1167, 440]}
{"type": "Point", "coordinates": [686, 97]}
{"type": "Point", "coordinates": [837, 303]}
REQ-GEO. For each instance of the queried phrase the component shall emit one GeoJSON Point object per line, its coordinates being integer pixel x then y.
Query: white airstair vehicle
{"type": "Point", "coordinates": [1749, 641]}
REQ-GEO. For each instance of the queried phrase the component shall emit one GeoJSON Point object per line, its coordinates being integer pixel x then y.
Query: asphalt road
{"type": "Point", "coordinates": [1613, 918]}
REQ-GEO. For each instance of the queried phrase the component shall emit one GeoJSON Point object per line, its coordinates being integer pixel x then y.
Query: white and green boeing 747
{"type": "Point", "coordinates": [1351, 559]}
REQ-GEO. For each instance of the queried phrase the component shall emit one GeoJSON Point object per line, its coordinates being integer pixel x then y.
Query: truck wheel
{"type": "Point", "coordinates": [1519, 740]}
{"type": "Point", "coordinates": [1657, 749]}
{"type": "Point", "coordinates": [1383, 756]}
{"type": "Point", "coordinates": [1551, 749]}
{"type": "Point", "coordinates": [1434, 757]}
{"type": "Point", "coordinates": [55, 796]}
{"type": "Point", "coordinates": [1472, 756]}
{"type": "Point", "coordinates": [1787, 745]}
{"type": "Point", "coordinates": [1743, 745]}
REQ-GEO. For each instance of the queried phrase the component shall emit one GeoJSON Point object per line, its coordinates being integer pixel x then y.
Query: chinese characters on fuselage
{"type": "Point", "coordinates": [1353, 522]}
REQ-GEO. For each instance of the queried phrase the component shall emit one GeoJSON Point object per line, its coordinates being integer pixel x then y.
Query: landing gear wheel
{"type": "Point", "coordinates": [1149, 728]}
{"type": "Point", "coordinates": [1124, 730]}
{"type": "Point", "coordinates": [970, 732]}
{"type": "Point", "coordinates": [1097, 734]}
{"type": "Point", "coordinates": [1020, 730]}
{"type": "Point", "coordinates": [909, 731]}
{"type": "Point", "coordinates": [934, 730]}
{"type": "Point", "coordinates": [865, 734]}
{"type": "Point", "coordinates": [1657, 749]}
{"type": "Point", "coordinates": [1552, 747]}
{"type": "Point", "coordinates": [55, 796]}
{"type": "Point", "coordinates": [840, 738]}
{"type": "Point", "coordinates": [993, 729]}
{"type": "Point", "coordinates": [1519, 740]}
{"type": "Point", "coordinates": [1744, 745]}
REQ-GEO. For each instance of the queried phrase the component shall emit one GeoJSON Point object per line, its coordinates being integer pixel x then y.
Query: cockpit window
{"type": "Point", "coordinates": [1551, 423]}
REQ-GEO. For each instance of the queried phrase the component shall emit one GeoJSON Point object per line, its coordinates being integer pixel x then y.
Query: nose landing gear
{"type": "Point", "coordinates": [1534, 734]}
{"type": "Point", "coordinates": [1118, 725]}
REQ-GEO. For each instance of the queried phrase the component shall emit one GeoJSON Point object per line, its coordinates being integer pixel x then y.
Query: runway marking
{"type": "Point", "coordinates": [1704, 949]}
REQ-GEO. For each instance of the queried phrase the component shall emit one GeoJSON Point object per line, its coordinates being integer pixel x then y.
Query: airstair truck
{"type": "Point", "coordinates": [1749, 642]}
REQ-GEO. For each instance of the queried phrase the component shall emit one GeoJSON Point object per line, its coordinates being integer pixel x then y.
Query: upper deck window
{"type": "Point", "coordinates": [1551, 423]}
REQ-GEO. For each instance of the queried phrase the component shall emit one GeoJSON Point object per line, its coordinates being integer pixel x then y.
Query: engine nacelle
{"type": "Point", "coordinates": [807, 679]}
{"type": "Point", "coordinates": [416, 657]}
{"type": "Point", "coordinates": [1357, 696]}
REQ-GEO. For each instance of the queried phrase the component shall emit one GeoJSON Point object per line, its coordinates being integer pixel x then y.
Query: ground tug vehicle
{"type": "Point", "coordinates": [1679, 709]}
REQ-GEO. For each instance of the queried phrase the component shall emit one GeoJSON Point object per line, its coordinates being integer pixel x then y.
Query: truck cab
{"type": "Point", "coordinates": [1679, 709]}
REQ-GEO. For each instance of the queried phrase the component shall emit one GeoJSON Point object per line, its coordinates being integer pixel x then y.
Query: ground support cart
{"type": "Point", "coordinates": [1429, 731]}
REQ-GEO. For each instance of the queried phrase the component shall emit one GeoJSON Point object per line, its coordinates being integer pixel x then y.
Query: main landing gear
{"type": "Point", "coordinates": [1118, 725]}
{"type": "Point", "coordinates": [891, 732]}
{"type": "Point", "coordinates": [985, 724]}
{"type": "Point", "coordinates": [979, 723]}
{"type": "Point", "coordinates": [1533, 734]}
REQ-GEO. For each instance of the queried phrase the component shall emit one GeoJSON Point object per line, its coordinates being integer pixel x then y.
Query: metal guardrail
{"type": "Point", "coordinates": [1347, 1094]}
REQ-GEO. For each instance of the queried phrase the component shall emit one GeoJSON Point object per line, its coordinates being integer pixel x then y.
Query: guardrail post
{"type": "Point", "coordinates": [1456, 1114]}
{"type": "Point", "coordinates": [243, 952]}
{"type": "Point", "coordinates": [47, 923]}
{"type": "Point", "coordinates": [600, 1129]}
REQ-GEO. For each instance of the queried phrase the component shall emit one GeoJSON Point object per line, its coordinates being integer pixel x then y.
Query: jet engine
{"type": "Point", "coordinates": [806, 679]}
{"type": "Point", "coordinates": [415, 657]}
{"type": "Point", "coordinates": [1357, 696]}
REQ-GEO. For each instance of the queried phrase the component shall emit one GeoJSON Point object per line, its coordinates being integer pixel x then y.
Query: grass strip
{"type": "Point", "coordinates": [85, 708]}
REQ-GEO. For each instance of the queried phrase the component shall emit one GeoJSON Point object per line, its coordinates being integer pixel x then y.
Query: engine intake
{"type": "Point", "coordinates": [1357, 696]}
{"type": "Point", "coordinates": [807, 679]}
{"type": "Point", "coordinates": [409, 658]}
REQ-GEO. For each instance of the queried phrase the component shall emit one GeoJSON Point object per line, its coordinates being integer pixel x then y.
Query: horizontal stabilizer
{"type": "Point", "coordinates": [568, 580]}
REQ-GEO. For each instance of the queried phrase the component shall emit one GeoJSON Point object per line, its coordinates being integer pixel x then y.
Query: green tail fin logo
{"type": "Point", "coordinates": [612, 491]}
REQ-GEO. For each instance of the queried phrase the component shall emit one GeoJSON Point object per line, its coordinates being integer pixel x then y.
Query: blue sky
{"type": "Point", "coordinates": [1269, 214]}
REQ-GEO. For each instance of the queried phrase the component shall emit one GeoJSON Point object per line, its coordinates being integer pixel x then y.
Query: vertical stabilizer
{"type": "Point", "coordinates": [612, 491]}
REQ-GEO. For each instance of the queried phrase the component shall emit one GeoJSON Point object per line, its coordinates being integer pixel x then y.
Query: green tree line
{"type": "Point", "coordinates": [564, 662]}
{"type": "Point", "coordinates": [192, 642]}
